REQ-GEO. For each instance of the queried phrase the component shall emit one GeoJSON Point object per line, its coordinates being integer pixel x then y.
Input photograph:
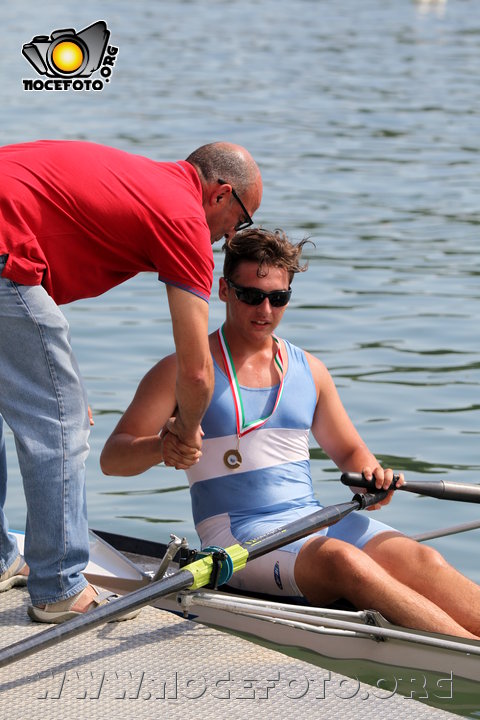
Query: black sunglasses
{"type": "Point", "coordinates": [244, 223]}
{"type": "Point", "coordinates": [254, 296]}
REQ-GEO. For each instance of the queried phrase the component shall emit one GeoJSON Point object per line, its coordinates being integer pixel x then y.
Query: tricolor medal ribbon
{"type": "Point", "coordinates": [232, 458]}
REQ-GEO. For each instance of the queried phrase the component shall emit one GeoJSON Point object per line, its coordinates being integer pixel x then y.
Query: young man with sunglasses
{"type": "Point", "coordinates": [253, 475]}
{"type": "Point", "coordinates": [79, 218]}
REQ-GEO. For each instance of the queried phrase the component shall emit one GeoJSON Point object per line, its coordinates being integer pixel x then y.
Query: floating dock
{"type": "Point", "coordinates": [160, 665]}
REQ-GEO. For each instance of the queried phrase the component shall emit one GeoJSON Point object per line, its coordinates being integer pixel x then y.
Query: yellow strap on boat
{"type": "Point", "coordinates": [202, 569]}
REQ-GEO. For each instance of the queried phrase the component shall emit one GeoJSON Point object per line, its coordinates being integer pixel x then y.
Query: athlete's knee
{"type": "Point", "coordinates": [326, 566]}
{"type": "Point", "coordinates": [328, 553]}
{"type": "Point", "coordinates": [428, 558]}
{"type": "Point", "coordinates": [399, 555]}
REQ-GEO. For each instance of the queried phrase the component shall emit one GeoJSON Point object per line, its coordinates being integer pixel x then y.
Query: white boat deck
{"type": "Point", "coordinates": [160, 665]}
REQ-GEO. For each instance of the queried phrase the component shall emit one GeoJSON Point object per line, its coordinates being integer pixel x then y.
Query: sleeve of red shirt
{"type": "Point", "coordinates": [186, 260]}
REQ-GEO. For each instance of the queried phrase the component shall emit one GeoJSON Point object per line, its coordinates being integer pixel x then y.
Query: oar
{"type": "Point", "coordinates": [432, 488]}
{"type": "Point", "coordinates": [445, 532]}
{"type": "Point", "coordinates": [193, 576]}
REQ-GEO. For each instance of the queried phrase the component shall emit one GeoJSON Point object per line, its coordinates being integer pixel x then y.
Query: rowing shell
{"type": "Point", "coordinates": [327, 633]}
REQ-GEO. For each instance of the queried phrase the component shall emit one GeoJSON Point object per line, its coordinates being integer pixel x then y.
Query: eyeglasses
{"type": "Point", "coordinates": [243, 223]}
{"type": "Point", "coordinates": [254, 296]}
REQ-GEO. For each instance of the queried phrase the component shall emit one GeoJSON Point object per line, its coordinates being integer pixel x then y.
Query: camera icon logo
{"type": "Point", "coordinates": [66, 53]}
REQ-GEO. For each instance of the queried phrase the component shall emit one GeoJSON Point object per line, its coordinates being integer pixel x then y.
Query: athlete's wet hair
{"type": "Point", "coordinates": [267, 248]}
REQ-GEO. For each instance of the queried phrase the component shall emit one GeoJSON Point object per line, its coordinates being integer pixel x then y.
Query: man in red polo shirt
{"type": "Point", "coordinates": [76, 219]}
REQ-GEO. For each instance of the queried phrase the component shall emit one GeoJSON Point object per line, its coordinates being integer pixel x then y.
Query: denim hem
{"type": "Point", "coordinates": [76, 590]}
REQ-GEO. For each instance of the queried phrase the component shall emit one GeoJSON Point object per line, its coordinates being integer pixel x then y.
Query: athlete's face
{"type": "Point", "coordinates": [258, 320]}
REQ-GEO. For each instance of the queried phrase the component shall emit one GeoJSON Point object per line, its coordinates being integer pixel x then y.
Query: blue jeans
{"type": "Point", "coordinates": [43, 401]}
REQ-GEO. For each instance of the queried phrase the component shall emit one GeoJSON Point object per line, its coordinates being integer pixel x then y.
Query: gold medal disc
{"type": "Point", "coordinates": [232, 459]}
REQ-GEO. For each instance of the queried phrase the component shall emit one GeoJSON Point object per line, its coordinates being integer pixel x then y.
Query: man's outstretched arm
{"type": "Point", "coordinates": [195, 379]}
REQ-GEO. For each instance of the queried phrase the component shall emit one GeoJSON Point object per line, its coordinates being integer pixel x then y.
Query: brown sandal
{"type": "Point", "coordinates": [61, 611]}
{"type": "Point", "coordinates": [13, 576]}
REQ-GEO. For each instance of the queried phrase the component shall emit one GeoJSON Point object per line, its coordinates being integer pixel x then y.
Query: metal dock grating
{"type": "Point", "coordinates": [160, 665]}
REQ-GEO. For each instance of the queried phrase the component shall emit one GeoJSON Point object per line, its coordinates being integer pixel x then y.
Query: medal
{"type": "Point", "coordinates": [232, 458]}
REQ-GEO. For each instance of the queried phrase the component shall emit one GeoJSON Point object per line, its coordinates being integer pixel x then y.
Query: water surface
{"type": "Point", "coordinates": [364, 120]}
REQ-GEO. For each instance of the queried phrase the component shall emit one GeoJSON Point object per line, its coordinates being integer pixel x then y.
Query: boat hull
{"type": "Point", "coordinates": [325, 633]}
{"type": "Point", "coordinates": [122, 564]}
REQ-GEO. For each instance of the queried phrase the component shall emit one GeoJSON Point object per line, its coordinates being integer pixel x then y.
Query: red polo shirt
{"type": "Point", "coordinates": [80, 218]}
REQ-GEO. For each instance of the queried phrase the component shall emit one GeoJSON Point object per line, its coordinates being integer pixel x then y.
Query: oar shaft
{"type": "Point", "coordinates": [444, 490]}
{"type": "Point", "coordinates": [432, 488]}
{"type": "Point", "coordinates": [309, 524]}
{"type": "Point", "coordinates": [56, 633]}
{"type": "Point", "coordinates": [445, 532]}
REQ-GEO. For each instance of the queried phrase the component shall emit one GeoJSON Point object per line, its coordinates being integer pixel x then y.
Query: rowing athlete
{"type": "Point", "coordinates": [253, 475]}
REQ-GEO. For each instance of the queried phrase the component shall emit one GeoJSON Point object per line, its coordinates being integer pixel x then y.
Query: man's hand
{"type": "Point", "coordinates": [179, 451]}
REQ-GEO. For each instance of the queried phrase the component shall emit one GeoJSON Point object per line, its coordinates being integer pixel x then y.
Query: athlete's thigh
{"type": "Point", "coordinates": [358, 529]}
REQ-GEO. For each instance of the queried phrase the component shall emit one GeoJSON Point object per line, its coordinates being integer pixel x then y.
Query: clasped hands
{"type": "Point", "coordinates": [180, 449]}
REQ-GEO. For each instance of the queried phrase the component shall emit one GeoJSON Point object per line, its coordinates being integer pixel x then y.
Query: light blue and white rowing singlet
{"type": "Point", "coordinates": [273, 485]}
{"type": "Point", "coordinates": [274, 477]}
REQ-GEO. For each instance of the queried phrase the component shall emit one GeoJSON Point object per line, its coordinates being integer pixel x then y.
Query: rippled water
{"type": "Point", "coordinates": [364, 120]}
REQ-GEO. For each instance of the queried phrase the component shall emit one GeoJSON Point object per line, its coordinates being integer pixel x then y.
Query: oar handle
{"type": "Point", "coordinates": [357, 480]}
{"type": "Point", "coordinates": [440, 489]}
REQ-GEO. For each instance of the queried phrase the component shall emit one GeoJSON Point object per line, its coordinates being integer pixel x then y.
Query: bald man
{"type": "Point", "coordinates": [77, 219]}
